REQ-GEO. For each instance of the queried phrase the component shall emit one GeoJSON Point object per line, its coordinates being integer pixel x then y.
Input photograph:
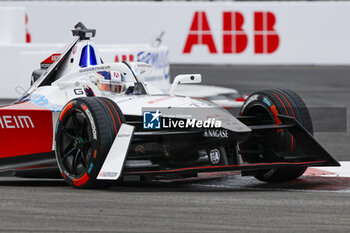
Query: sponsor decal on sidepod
{"type": "Point", "coordinates": [16, 122]}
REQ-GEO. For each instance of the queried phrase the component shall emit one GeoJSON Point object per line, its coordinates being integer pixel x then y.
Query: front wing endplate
{"type": "Point", "coordinates": [113, 164]}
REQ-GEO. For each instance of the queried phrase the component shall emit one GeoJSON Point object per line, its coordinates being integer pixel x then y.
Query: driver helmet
{"type": "Point", "coordinates": [110, 82]}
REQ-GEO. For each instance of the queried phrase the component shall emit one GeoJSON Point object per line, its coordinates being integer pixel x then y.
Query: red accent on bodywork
{"type": "Point", "coordinates": [240, 99]}
{"type": "Point", "coordinates": [158, 100]}
{"type": "Point", "coordinates": [25, 129]}
{"type": "Point", "coordinates": [51, 59]}
{"type": "Point", "coordinates": [81, 181]}
{"type": "Point", "coordinates": [35, 167]}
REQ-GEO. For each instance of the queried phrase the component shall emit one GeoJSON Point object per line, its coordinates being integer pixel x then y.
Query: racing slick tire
{"type": "Point", "coordinates": [267, 104]}
{"type": "Point", "coordinates": [85, 131]}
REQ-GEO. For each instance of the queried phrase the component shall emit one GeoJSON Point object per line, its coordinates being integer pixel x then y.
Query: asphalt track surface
{"type": "Point", "coordinates": [231, 204]}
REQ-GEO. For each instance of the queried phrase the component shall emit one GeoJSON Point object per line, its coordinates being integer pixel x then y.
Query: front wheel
{"type": "Point", "coordinates": [85, 131]}
{"type": "Point", "coordinates": [266, 105]}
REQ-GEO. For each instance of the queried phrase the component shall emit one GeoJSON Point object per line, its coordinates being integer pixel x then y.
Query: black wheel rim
{"type": "Point", "coordinates": [74, 143]}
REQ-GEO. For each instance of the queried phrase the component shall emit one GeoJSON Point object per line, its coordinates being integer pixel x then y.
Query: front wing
{"type": "Point", "coordinates": [312, 153]}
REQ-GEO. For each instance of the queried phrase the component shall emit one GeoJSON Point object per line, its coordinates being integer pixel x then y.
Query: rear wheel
{"type": "Point", "coordinates": [84, 134]}
{"type": "Point", "coordinates": [266, 105]}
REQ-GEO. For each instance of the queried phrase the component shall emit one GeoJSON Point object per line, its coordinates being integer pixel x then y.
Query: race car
{"type": "Point", "coordinates": [94, 124]}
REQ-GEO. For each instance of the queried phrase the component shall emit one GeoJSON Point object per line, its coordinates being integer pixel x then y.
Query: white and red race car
{"type": "Point", "coordinates": [96, 123]}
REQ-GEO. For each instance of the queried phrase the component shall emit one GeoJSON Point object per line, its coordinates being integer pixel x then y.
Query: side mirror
{"type": "Point", "coordinates": [185, 78]}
